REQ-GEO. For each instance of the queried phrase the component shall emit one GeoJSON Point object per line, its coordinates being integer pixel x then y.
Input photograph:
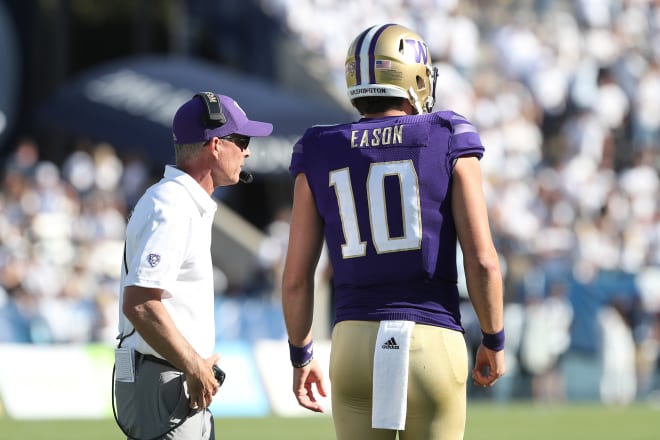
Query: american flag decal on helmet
{"type": "Point", "coordinates": [383, 64]}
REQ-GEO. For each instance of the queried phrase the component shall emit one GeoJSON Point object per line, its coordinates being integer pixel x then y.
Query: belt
{"type": "Point", "coordinates": [151, 358]}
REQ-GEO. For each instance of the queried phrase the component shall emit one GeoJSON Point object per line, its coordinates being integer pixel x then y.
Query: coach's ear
{"type": "Point", "coordinates": [214, 146]}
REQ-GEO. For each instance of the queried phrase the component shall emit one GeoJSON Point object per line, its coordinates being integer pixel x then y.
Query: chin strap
{"type": "Point", "coordinates": [414, 100]}
{"type": "Point", "coordinates": [430, 102]}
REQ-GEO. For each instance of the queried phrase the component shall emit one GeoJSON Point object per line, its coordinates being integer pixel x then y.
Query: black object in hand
{"type": "Point", "coordinates": [219, 375]}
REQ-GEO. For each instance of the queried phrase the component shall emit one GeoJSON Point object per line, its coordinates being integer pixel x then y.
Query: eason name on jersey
{"type": "Point", "coordinates": [390, 344]}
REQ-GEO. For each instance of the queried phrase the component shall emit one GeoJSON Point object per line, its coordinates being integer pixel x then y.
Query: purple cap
{"type": "Point", "coordinates": [189, 124]}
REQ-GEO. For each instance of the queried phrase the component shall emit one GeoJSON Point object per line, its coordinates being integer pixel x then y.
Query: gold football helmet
{"type": "Point", "coordinates": [391, 60]}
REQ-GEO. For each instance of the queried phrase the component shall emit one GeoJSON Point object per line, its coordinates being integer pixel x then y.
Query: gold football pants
{"type": "Point", "coordinates": [437, 376]}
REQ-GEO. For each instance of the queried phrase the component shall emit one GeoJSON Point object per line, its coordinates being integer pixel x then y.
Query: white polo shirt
{"type": "Point", "coordinates": [168, 246]}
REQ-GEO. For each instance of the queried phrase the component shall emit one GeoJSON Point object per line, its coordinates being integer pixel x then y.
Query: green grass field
{"type": "Point", "coordinates": [523, 421]}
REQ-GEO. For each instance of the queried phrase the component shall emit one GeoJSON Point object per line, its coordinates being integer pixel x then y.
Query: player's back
{"type": "Point", "coordinates": [382, 187]}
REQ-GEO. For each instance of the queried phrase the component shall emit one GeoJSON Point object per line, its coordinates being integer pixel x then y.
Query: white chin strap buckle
{"type": "Point", "coordinates": [414, 100]}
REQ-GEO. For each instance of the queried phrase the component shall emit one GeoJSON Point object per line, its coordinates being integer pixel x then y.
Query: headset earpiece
{"type": "Point", "coordinates": [214, 115]}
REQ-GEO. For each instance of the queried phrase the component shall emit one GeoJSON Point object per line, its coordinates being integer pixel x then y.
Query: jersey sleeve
{"type": "Point", "coordinates": [465, 140]}
{"type": "Point", "coordinates": [297, 164]}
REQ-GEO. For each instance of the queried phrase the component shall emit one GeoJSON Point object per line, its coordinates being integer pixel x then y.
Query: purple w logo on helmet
{"type": "Point", "coordinates": [419, 49]}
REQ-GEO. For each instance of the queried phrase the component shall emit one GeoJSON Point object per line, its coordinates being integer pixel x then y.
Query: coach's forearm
{"type": "Point", "coordinates": [151, 319]}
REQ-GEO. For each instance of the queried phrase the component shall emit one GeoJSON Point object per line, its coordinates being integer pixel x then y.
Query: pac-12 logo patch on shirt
{"type": "Point", "coordinates": [153, 259]}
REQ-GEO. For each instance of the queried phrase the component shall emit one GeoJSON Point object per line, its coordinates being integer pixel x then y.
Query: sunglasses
{"type": "Point", "coordinates": [241, 142]}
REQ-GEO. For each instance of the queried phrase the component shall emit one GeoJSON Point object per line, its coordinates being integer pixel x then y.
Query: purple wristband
{"type": "Point", "coordinates": [301, 356]}
{"type": "Point", "coordinates": [493, 341]}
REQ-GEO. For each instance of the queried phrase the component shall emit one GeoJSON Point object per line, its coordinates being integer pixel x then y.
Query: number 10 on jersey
{"type": "Point", "coordinates": [377, 199]}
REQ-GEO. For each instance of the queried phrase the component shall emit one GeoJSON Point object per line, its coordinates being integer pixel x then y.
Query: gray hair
{"type": "Point", "coordinates": [186, 152]}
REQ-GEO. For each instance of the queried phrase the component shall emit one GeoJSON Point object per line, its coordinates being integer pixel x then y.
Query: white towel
{"type": "Point", "coordinates": [390, 381]}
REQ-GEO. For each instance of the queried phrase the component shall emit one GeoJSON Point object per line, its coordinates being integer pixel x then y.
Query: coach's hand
{"type": "Point", "coordinates": [202, 385]}
{"type": "Point", "coordinates": [303, 379]}
{"type": "Point", "coordinates": [488, 366]}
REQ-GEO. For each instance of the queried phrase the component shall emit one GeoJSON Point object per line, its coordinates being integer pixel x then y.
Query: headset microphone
{"type": "Point", "coordinates": [245, 177]}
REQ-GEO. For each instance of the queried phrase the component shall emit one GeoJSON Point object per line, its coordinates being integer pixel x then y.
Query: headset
{"type": "Point", "coordinates": [214, 117]}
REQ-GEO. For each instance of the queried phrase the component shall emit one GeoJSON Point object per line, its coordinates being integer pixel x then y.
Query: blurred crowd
{"type": "Point", "coordinates": [566, 96]}
{"type": "Point", "coordinates": [61, 238]}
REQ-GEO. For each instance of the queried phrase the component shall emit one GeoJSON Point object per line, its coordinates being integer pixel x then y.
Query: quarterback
{"type": "Point", "coordinates": [391, 195]}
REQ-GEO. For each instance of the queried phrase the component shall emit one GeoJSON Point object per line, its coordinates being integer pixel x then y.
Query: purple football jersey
{"type": "Point", "coordinates": [382, 187]}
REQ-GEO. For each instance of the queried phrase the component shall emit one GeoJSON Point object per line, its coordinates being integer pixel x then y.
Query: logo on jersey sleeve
{"type": "Point", "coordinates": [153, 260]}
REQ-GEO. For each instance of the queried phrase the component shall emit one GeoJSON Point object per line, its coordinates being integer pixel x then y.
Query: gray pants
{"type": "Point", "coordinates": [156, 402]}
